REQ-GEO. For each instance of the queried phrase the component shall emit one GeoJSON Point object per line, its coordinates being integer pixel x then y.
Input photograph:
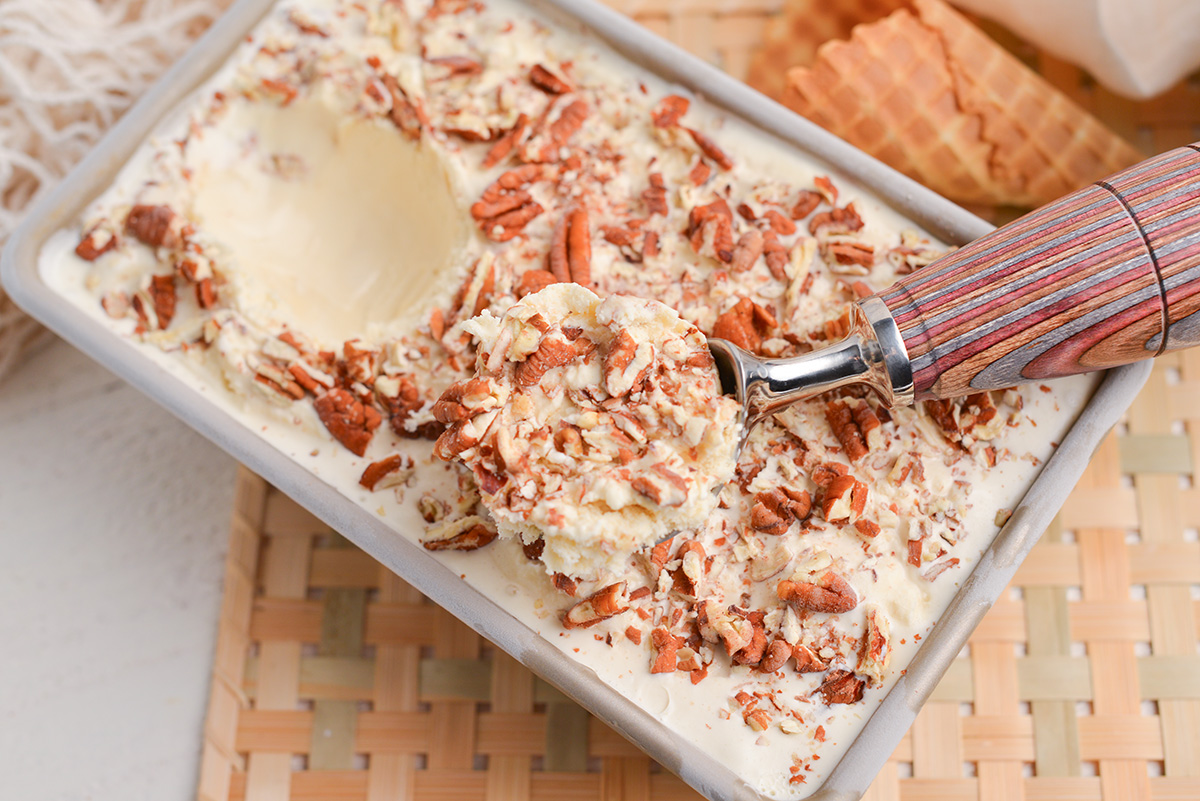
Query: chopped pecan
{"type": "Point", "coordinates": [559, 132]}
{"type": "Point", "coordinates": [669, 111]}
{"type": "Point", "coordinates": [827, 189]}
{"type": "Point", "coordinates": [824, 473]}
{"type": "Point", "coordinates": [868, 528]}
{"type": "Point", "coordinates": [666, 646]}
{"type": "Point", "coordinates": [841, 687]}
{"type": "Point", "coordinates": [505, 207]}
{"type": "Point", "coordinates": [634, 635]}
{"type": "Point", "coordinates": [626, 364]}
{"type": "Point", "coordinates": [831, 594]}
{"type": "Point", "coordinates": [533, 281]}
{"type": "Point", "coordinates": [747, 250]}
{"type": "Point", "coordinates": [780, 224]}
{"type": "Point", "coordinates": [601, 605]}
{"type": "Point", "coordinates": [745, 325]}
{"type": "Point", "coordinates": [206, 294]}
{"type": "Point", "coordinates": [775, 509]}
{"type": "Point", "coordinates": [752, 653]}
{"type": "Point", "coordinates": [158, 300]}
{"type": "Point", "coordinates": [469, 539]}
{"type": "Point", "coordinates": [689, 576]}
{"type": "Point", "coordinates": [850, 258]}
{"type": "Point", "coordinates": [349, 421]}
{"type": "Point", "coordinates": [552, 352]}
{"type": "Point", "coordinates": [806, 204]}
{"type": "Point", "coordinates": [400, 397]}
{"type": "Point", "coordinates": [699, 173]}
{"type": "Point", "coordinates": [778, 653]}
{"type": "Point", "coordinates": [841, 221]}
{"type": "Point", "coordinates": [757, 719]}
{"type": "Point", "coordinates": [95, 243]}
{"type": "Point", "coordinates": [844, 499]}
{"type": "Point", "coordinates": [709, 148]}
{"type": "Point", "coordinates": [564, 583]}
{"type": "Point", "coordinates": [457, 66]}
{"type": "Point", "coordinates": [156, 226]}
{"type": "Point", "coordinates": [378, 471]}
{"type": "Point", "coordinates": [712, 225]}
{"type": "Point", "coordinates": [776, 256]}
{"type": "Point", "coordinates": [507, 142]}
{"type": "Point", "coordinates": [841, 420]}
{"type": "Point", "coordinates": [547, 81]}
{"type": "Point", "coordinates": [406, 114]}
{"type": "Point", "coordinates": [570, 256]}
{"type": "Point", "coordinates": [807, 660]}
{"type": "Point", "coordinates": [655, 196]}
{"type": "Point", "coordinates": [876, 651]}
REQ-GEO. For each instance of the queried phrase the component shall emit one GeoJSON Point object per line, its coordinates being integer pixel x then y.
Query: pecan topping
{"type": "Point", "coordinates": [406, 114]}
{"type": "Point", "coordinates": [838, 221]}
{"type": "Point", "coordinates": [776, 255]}
{"type": "Point", "coordinates": [711, 226]}
{"type": "Point", "coordinates": [569, 121]}
{"type": "Point", "coordinates": [95, 243]}
{"type": "Point", "coordinates": [709, 148]}
{"type": "Point", "coordinates": [841, 687]}
{"type": "Point", "coordinates": [376, 472]}
{"type": "Point", "coordinates": [157, 300]}
{"type": "Point", "coordinates": [807, 660]}
{"type": "Point", "coordinates": [775, 509]}
{"type": "Point", "coordinates": [603, 604]}
{"type": "Point", "coordinates": [472, 539]}
{"type": "Point", "coordinates": [845, 498]}
{"type": "Point", "coordinates": [655, 196]}
{"type": "Point", "coordinates": [534, 281]}
{"type": "Point", "coordinates": [156, 226]}
{"type": "Point", "coordinates": [669, 111]}
{"type": "Point", "coordinates": [552, 352]}
{"type": "Point", "coordinates": [747, 250]}
{"type": "Point", "coordinates": [745, 325]}
{"type": "Point", "coordinates": [779, 223]}
{"type": "Point", "coordinates": [624, 353]}
{"type": "Point", "coordinates": [752, 652]}
{"type": "Point", "coordinates": [778, 653]}
{"type": "Point", "coordinates": [505, 207]}
{"type": "Point", "coordinates": [507, 141]}
{"type": "Point", "coordinates": [841, 420]}
{"type": "Point", "coordinates": [806, 204]}
{"type": "Point", "coordinates": [867, 528]}
{"type": "Point", "coordinates": [831, 594]}
{"type": "Point", "coordinates": [206, 294]}
{"type": "Point", "coordinates": [666, 646]}
{"type": "Point", "coordinates": [349, 421]}
{"type": "Point", "coordinates": [547, 81]}
{"type": "Point", "coordinates": [570, 257]}
{"type": "Point", "coordinates": [457, 66]}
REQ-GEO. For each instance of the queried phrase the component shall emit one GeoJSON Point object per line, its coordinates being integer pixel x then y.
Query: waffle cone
{"type": "Point", "coordinates": [933, 96]}
{"type": "Point", "coordinates": [792, 36]}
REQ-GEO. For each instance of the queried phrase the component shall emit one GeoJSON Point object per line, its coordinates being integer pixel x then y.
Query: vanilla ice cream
{"type": "Point", "coordinates": [374, 199]}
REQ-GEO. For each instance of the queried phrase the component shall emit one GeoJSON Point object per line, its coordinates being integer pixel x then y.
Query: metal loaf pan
{"type": "Point", "coordinates": [942, 218]}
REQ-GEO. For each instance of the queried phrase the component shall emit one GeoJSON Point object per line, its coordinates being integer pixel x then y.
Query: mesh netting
{"type": "Point", "coordinates": [68, 70]}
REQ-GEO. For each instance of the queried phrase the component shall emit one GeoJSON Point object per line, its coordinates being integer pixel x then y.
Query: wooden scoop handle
{"type": "Point", "coordinates": [1103, 277]}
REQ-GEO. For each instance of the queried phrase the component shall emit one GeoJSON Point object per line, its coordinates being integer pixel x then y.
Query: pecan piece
{"type": "Point", "coordinates": [349, 421]}
{"type": "Point", "coordinates": [552, 352]}
{"type": "Point", "coordinates": [776, 256]}
{"type": "Point", "coordinates": [752, 653]}
{"type": "Point", "coordinates": [601, 605]}
{"type": "Point", "coordinates": [626, 364]}
{"type": "Point", "coordinates": [709, 148]}
{"type": "Point", "coordinates": [378, 471]}
{"type": "Point", "coordinates": [457, 66]}
{"type": "Point", "coordinates": [711, 226]}
{"type": "Point", "coordinates": [666, 647]}
{"type": "Point", "coordinates": [406, 114]}
{"type": "Point", "coordinates": [669, 111]}
{"type": "Point", "coordinates": [744, 325]}
{"type": "Point", "coordinates": [841, 687]}
{"type": "Point", "coordinates": [778, 653]}
{"type": "Point", "coordinates": [505, 207]}
{"type": "Point", "coordinates": [839, 221]}
{"type": "Point", "coordinates": [158, 300]}
{"type": "Point", "coordinates": [807, 660]}
{"type": "Point", "coordinates": [841, 420]}
{"type": "Point", "coordinates": [775, 509]}
{"type": "Point", "coordinates": [806, 204]}
{"type": "Point", "coordinates": [570, 256]}
{"type": "Point", "coordinates": [534, 281]}
{"type": "Point", "coordinates": [747, 250]}
{"type": "Point", "coordinates": [95, 243]}
{"type": "Point", "coordinates": [469, 539]}
{"type": "Point", "coordinates": [507, 141]}
{"type": "Point", "coordinates": [655, 196]}
{"type": "Point", "coordinates": [830, 594]}
{"type": "Point", "coordinates": [844, 500]}
{"type": "Point", "coordinates": [547, 81]}
{"type": "Point", "coordinates": [156, 226]}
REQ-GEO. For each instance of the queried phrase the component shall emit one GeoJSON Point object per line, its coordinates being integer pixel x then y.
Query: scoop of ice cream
{"type": "Point", "coordinates": [595, 426]}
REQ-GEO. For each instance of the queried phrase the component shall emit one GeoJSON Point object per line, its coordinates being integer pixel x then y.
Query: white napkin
{"type": "Point", "coordinates": [1136, 48]}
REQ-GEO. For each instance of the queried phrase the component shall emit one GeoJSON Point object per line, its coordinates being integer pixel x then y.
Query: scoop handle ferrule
{"type": "Point", "coordinates": [1103, 277]}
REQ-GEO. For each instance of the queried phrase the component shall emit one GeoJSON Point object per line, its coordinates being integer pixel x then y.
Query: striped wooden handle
{"type": "Point", "coordinates": [1093, 280]}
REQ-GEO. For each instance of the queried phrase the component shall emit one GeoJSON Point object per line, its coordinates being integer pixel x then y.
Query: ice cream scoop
{"type": "Point", "coordinates": [1103, 277]}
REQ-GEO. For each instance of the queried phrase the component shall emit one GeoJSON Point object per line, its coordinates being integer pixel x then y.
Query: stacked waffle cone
{"type": "Point", "coordinates": [933, 96]}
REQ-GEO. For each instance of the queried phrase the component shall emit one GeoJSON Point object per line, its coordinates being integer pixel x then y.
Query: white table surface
{"type": "Point", "coordinates": [113, 525]}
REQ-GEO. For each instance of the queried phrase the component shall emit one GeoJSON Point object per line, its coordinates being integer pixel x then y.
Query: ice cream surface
{"type": "Point", "coordinates": [593, 427]}
{"type": "Point", "coordinates": [370, 198]}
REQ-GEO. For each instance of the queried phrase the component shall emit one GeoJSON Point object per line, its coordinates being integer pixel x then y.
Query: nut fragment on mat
{"type": "Point", "coordinates": [792, 36]}
{"type": "Point", "coordinates": [933, 96]}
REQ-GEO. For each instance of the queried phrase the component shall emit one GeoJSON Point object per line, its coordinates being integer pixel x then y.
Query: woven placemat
{"type": "Point", "coordinates": [336, 680]}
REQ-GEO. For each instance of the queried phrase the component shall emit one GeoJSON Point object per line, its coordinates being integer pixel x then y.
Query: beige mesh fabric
{"type": "Point", "coordinates": [68, 69]}
{"type": "Point", "coordinates": [793, 35]}
{"type": "Point", "coordinates": [933, 96]}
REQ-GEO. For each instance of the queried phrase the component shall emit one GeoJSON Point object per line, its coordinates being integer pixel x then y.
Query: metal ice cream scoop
{"type": "Point", "coordinates": [1106, 276]}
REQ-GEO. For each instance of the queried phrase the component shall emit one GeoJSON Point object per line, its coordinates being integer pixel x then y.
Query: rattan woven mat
{"type": "Point", "coordinates": [333, 679]}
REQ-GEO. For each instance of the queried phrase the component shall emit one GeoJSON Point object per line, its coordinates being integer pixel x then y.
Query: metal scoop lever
{"type": "Point", "coordinates": [1106, 276]}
